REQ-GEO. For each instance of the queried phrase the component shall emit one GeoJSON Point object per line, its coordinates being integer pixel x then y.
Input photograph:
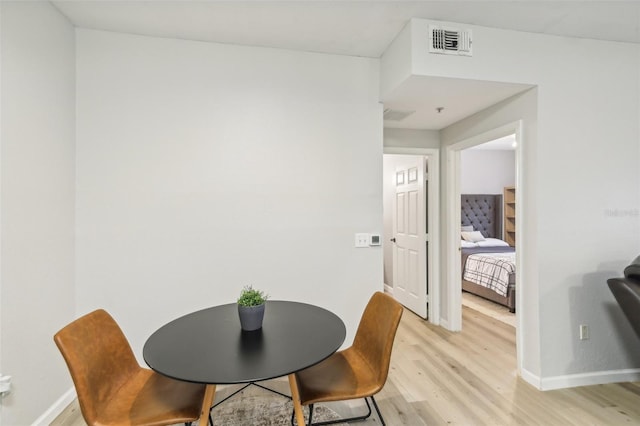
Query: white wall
{"type": "Point", "coordinates": [396, 61]}
{"type": "Point", "coordinates": [388, 194]}
{"type": "Point", "coordinates": [37, 198]}
{"type": "Point", "coordinates": [486, 171]}
{"type": "Point", "coordinates": [520, 107]}
{"type": "Point", "coordinates": [580, 152]}
{"type": "Point", "coordinates": [205, 167]}
{"type": "Point", "coordinates": [411, 138]}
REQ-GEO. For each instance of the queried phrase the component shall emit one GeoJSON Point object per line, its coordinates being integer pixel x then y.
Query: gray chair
{"type": "Point", "coordinates": [626, 290]}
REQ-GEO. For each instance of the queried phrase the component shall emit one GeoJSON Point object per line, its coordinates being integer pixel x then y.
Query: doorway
{"type": "Point", "coordinates": [453, 213]}
{"type": "Point", "coordinates": [488, 199]}
{"type": "Point", "coordinates": [411, 229]}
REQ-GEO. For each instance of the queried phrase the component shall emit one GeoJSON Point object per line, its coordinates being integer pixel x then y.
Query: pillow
{"type": "Point", "coordinates": [492, 242]}
{"type": "Point", "coordinates": [473, 236]}
{"type": "Point", "coordinates": [466, 228]}
{"type": "Point", "coordinates": [467, 244]}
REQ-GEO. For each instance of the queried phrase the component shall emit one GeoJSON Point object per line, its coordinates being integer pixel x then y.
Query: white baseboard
{"type": "Point", "coordinates": [388, 289]}
{"type": "Point", "coordinates": [531, 378]}
{"type": "Point", "coordinates": [588, 379]}
{"type": "Point", "coordinates": [444, 323]}
{"type": "Point", "coordinates": [583, 379]}
{"type": "Point", "coordinates": [58, 407]}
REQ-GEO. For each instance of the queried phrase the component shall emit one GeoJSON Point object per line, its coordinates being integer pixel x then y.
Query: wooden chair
{"type": "Point", "coordinates": [359, 371]}
{"type": "Point", "coordinates": [112, 388]}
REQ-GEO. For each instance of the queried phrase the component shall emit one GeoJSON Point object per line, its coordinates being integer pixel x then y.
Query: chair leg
{"type": "Point", "coordinates": [310, 414]}
{"type": "Point", "coordinates": [210, 421]}
{"type": "Point", "coordinates": [378, 410]}
{"type": "Point", "coordinates": [350, 419]}
{"type": "Point", "coordinates": [293, 415]}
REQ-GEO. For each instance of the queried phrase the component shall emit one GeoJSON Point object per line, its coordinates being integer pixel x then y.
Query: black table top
{"type": "Point", "coordinates": [208, 346]}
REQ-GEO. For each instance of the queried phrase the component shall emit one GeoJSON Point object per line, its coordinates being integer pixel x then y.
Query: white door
{"type": "Point", "coordinates": [409, 230]}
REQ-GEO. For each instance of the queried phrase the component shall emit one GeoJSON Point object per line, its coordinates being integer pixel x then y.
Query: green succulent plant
{"type": "Point", "coordinates": [251, 297]}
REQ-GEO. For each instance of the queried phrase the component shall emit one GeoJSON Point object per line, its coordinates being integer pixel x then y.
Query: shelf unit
{"type": "Point", "coordinates": [510, 215]}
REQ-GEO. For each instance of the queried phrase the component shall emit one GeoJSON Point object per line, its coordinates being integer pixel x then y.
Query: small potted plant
{"type": "Point", "coordinates": [251, 304]}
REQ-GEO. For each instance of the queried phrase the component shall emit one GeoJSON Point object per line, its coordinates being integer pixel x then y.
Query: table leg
{"type": "Point", "coordinates": [295, 395]}
{"type": "Point", "coordinates": [209, 395]}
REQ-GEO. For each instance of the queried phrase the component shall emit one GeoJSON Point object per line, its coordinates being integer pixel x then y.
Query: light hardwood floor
{"type": "Point", "coordinates": [469, 378]}
{"type": "Point", "coordinates": [489, 308]}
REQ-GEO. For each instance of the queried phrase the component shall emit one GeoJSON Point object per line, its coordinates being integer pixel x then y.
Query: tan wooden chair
{"type": "Point", "coordinates": [359, 371]}
{"type": "Point", "coordinates": [112, 388]}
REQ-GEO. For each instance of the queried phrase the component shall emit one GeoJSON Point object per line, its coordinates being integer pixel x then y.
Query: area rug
{"type": "Point", "coordinates": [258, 407]}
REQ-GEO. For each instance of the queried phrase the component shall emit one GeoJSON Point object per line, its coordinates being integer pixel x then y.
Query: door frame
{"type": "Point", "coordinates": [433, 266]}
{"type": "Point", "coordinates": [452, 237]}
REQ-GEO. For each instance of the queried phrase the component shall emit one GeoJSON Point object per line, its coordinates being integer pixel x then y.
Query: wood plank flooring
{"type": "Point", "coordinates": [469, 378]}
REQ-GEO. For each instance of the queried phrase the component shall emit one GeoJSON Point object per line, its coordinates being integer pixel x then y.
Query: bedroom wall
{"type": "Point", "coordinates": [486, 171]}
{"type": "Point", "coordinates": [37, 204]}
{"type": "Point", "coordinates": [205, 167]}
{"type": "Point", "coordinates": [583, 119]}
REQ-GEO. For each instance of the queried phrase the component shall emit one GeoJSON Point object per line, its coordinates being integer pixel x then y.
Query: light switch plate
{"type": "Point", "coordinates": [5, 384]}
{"type": "Point", "coordinates": [362, 240]}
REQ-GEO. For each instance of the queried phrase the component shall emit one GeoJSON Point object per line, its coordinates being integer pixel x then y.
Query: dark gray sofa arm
{"type": "Point", "coordinates": [633, 270]}
{"type": "Point", "coordinates": [627, 292]}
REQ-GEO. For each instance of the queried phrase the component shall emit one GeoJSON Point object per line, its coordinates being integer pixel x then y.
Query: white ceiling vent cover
{"type": "Point", "coordinates": [396, 114]}
{"type": "Point", "coordinates": [450, 41]}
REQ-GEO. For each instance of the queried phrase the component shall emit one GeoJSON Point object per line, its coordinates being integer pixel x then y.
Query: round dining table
{"type": "Point", "coordinates": [209, 347]}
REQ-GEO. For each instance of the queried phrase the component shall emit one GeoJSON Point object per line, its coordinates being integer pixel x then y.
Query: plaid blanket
{"type": "Point", "coordinates": [491, 270]}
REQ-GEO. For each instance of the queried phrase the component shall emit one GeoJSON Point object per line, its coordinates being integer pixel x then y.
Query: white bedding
{"type": "Point", "coordinates": [487, 242]}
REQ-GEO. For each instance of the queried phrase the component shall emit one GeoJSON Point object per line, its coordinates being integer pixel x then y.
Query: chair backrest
{"type": "Point", "coordinates": [376, 332]}
{"type": "Point", "coordinates": [99, 359]}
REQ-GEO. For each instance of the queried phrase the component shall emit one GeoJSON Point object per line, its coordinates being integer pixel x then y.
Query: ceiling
{"type": "Point", "coordinates": [506, 143]}
{"type": "Point", "coordinates": [439, 102]}
{"type": "Point", "coordinates": [363, 28]}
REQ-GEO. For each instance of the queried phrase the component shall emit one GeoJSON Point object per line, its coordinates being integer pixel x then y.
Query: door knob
{"type": "Point", "coordinates": [393, 240]}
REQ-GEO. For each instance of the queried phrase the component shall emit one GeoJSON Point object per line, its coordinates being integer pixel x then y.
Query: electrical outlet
{"type": "Point", "coordinates": [584, 332]}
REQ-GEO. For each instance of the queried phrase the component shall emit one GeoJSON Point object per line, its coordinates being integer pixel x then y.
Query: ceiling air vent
{"type": "Point", "coordinates": [450, 41]}
{"type": "Point", "coordinates": [396, 114]}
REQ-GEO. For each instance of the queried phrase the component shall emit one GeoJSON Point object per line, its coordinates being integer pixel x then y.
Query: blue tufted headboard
{"type": "Point", "coordinates": [484, 212]}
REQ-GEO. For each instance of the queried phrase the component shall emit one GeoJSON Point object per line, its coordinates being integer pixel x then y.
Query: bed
{"type": "Point", "coordinates": [484, 253]}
